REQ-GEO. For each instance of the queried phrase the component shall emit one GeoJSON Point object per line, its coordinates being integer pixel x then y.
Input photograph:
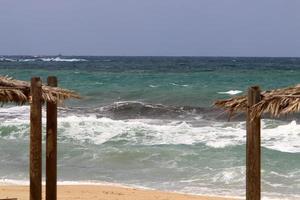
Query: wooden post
{"type": "Point", "coordinates": [51, 146]}
{"type": "Point", "coordinates": [9, 199]}
{"type": "Point", "coordinates": [253, 148]}
{"type": "Point", "coordinates": [36, 139]}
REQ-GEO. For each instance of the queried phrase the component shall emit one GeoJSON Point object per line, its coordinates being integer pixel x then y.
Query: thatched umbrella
{"type": "Point", "coordinates": [20, 92]}
{"type": "Point", "coordinates": [17, 91]}
{"type": "Point", "coordinates": [276, 102]}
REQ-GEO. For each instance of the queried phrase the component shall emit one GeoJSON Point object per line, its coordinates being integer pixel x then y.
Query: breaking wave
{"type": "Point", "coordinates": [94, 129]}
{"type": "Point", "coordinates": [42, 59]}
{"type": "Point", "coordinates": [58, 59]}
{"type": "Point", "coordinates": [199, 155]}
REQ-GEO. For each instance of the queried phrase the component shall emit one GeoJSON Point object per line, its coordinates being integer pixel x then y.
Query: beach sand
{"type": "Point", "coordinates": [95, 192]}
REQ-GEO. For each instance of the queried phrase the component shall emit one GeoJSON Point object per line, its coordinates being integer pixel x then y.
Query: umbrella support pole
{"type": "Point", "coordinates": [36, 139]}
{"type": "Point", "coordinates": [51, 146]}
{"type": "Point", "coordinates": [253, 148]}
{"type": "Point", "coordinates": [36, 142]}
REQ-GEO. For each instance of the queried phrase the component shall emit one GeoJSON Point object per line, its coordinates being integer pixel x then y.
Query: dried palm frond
{"type": "Point", "coordinates": [17, 91]}
{"type": "Point", "coordinates": [12, 95]}
{"type": "Point", "coordinates": [276, 102]}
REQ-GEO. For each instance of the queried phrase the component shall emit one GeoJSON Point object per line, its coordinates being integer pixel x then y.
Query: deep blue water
{"type": "Point", "coordinates": [168, 80]}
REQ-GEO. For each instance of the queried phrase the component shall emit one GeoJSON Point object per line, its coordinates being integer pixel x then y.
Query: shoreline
{"type": "Point", "coordinates": [104, 192]}
{"type": "Point", "coordinates": [6, 183]}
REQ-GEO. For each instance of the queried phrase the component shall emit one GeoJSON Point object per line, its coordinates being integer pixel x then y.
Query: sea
{"type": "Point", "coordinates": [150, 122]}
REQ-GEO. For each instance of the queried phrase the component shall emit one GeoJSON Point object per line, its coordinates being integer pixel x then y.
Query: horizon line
{"type": "Point", "coordinates": [207, 56]}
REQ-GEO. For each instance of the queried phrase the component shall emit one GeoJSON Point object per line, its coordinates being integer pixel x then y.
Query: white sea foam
{"type": "Point", "coordinates": [27, 60]}
{"type": "Point", "coordinates": [90, 129]}
{"type": "Point", "coordinates": [13, 182]}
{"type": "Point", "coordinates": [99, 83]}
{"type": "Point", "coordinates": [7, 60]}
{"type": "Point", "coordinates": [45, 59]}
{"type": "Point", "coordinates": [231, 92]}
{"type": "Point", "coordinates": [58, 59]}
{"type": "Point", "coordinates": [230, 175]}
{"type": "Point", "coordinates": [91, 182]}
{"type": "Point", "coordinates": [182, 85]}
{"type": "Point", "coordinates": [99, 131]}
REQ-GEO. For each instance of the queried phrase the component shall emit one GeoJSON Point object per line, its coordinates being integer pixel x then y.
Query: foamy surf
{"type": "Point", "coordinates": [159, 149]}
{"type": "Point", "coordinates": [99, 130]}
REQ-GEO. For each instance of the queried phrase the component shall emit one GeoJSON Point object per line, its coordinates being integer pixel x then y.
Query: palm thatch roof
{"type": "Point", "coordinates": [17, 91]}
{"type": "Point", "coordinates": [276, 102]}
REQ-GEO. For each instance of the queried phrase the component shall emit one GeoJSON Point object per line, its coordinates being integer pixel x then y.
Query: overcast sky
{"type": "Point", "coordinates": [150, 27]}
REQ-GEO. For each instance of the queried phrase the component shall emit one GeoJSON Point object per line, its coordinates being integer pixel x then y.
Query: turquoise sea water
{"type": "Point", "coordinates": [149, 122]}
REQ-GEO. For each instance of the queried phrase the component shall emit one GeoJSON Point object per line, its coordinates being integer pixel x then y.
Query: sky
{"type": "Point", "coordinates": [150, 27]}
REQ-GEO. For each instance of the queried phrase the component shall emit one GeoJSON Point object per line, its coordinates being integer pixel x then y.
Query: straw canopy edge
{"type": "Point", "coordinates": [276, 102]}
{"type": "Point", "coordinates": [17, 91]}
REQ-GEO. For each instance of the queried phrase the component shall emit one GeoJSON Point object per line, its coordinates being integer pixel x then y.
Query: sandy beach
{"type": "Point", "coordinates": [67, 192]}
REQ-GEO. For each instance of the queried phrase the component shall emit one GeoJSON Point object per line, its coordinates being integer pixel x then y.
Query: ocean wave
{"type": "Point", "coordinates": [182, 85]}
{"type": "Point", "coordinates": [136, 109]}
{"type": "Point", "coordinates": [92, 129]}
{"type": "Point", "coordinates": [58, 59]}
{"type": "Point", "coordinates": [153, 146]}
{"type": "Point", "coordinates": [230, 175]}
{"type": "Point", "coordinates": [43, 59]}
{"type": "Point", "coordinates": [231, 92]}
{"type": "Point", "coordinates": [27, 60]}
{"type": "Point", "coordinates": [153, 86]}
{"type": "Point", "coordinates": [123, 110]}
{"type": "Point", "coordinates": [7, 60]}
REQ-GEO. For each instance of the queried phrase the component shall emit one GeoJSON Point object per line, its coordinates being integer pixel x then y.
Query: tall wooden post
{"type": "Point", "coordinates": [36, 139]}
{"type": "Point", "coordinates": [51, 146]}
{"type": "Point", "coordinates": [253, 148]}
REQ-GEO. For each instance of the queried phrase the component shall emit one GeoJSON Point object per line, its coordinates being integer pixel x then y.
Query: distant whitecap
{"type": "Point", "coordinates": [176, 84]}
{"type": "Point", "coordinates": [58, 59]}
{"type": "Point", "coordinates": [7, 60]}
{"type": "Point", "coordinates": [98, 83]}
{"type": "Point", "coordinates": [45, 59]}
{"type": "Point", "coordinates": [27, 60]}
{"type": "Point", "coordinates": [231, 92]}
